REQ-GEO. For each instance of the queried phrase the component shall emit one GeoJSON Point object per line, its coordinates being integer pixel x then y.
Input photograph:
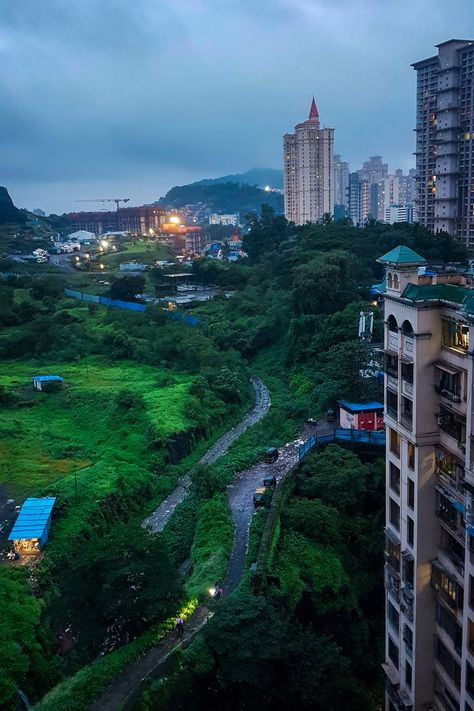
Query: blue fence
{"type": "Point", "coordinates": [342, 435]}
{"type": "Point", "coordinates": [130, 306]}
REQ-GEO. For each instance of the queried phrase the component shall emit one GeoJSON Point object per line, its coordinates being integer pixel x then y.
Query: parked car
{"type": "Point", "coordinates": [269, 481]}
{"type": "Point", "coordinates": [271, 455]}
{"type": "Point", "coordinates": [330, 415]}
{"type": "Point", "coordinates": [259, 496]}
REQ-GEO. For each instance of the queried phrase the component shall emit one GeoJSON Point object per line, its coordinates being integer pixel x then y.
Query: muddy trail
{"type": "Point", "coordinates": [124, 692]}
{"type": "Point", "coordinates": [160, 517]}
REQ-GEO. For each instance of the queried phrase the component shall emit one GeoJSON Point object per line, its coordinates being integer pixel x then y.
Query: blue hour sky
{"type": "Point", "coordinates": [125, 98]}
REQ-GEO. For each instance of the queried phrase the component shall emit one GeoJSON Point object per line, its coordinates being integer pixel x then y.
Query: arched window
{"type": "Point", "coordinates": [396, 282]}
{"type": "Point", "coordinates": [392, 324]}
{"type": "Point", "coordinates": [407, 328]}
{"type": "Point", "coordinates": [389, 280]}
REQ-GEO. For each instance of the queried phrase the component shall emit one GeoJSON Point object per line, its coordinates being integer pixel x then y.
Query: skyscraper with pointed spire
{"type": "Point", "coordinates": [308, 170]}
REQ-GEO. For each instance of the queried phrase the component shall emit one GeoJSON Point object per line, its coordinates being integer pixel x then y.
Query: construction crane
{"type": "Point", "coordinates": [117, 201]}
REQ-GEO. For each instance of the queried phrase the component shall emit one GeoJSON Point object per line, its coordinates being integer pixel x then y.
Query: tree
{"type": "Point", "coordinates": [116, 585]}
{"type": "Point", "coordinates": [126, 288]}
{"type": "Point", "coordinates": [337, 476]}
{"type": "Point", "coordinates": [266, 234]}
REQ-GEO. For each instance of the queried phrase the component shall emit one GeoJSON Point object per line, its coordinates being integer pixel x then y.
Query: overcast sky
{"type": "Point", "coordinates": [126, 98]}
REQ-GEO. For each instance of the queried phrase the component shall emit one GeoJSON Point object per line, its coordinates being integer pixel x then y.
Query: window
{"type": "Point", "coordinates": [393, 616]}
{"type": "Point", "coordinates": [408, 571]}
{"type": "Point", "coordinates": [392, 322]}
{"type": "Point", "coordinates": [407, 372]}
{"type": "Point", "coordinates": [408, 675]}
{"type": "Point", "coordinates": [447, 383]}
{"type": "Point", "coordinates": [447, 661]}
{"type": "Point", "coordinates": [410, 531]}
{"type": "Point", "coordinates": [452, 547]}
{"type": "Point", "coordinates": [455, 335]}
{"type": "Point", "coordinates": [408, 637]}
{"type": "Point", "coordinates": [469, 679]}
{"type": "Point", "coordinates": [394, 478]}
{"type": "Point", "coordinates": [393, 651]}
{"type": "Point", "coordinates": [448, 466]}
{"type": "Point", "coordinates": [392, 404]}
{"type": "Point", "coordinates": [450, 625]}
{"type": "Point", "coordinates": [411, 455]}
{"type": "Point", "coordinates": [394, 442]}
{"type": "Point", "coordinates": [391, 365]}
{"type": "Point", "coordinates": [445, 584]}
{"type": "Point", "coordinates": [453, 424]}
{"type": "Point", "coordinates": [407, 412]}
{"type": "Point", "coordinates": [411, 493]}
{"type": "Point", "coordinates": [394, 510]}
{"type": "Point", "coordinates": [446, 511]}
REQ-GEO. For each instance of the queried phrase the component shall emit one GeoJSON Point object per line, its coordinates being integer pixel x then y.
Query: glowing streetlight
{"type": "Point", "coordinates": [267, 189]}
{"type": "Point", "coordinates": [102, 266]}
{"type": "Point", "coordinates": [174, 219]}
{"type": "Point", "coordinates": [104, 243]}
{"type": "Point", "coordinates": [212, 592]}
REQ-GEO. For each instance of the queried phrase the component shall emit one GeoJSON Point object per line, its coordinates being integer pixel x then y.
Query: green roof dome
{"type": "Point", "coordinates": [401, 255]}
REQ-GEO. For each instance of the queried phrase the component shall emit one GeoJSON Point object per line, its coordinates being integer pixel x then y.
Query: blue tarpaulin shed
{"type": "Point", "coordinates": [361, 406]}
{"type": "Point", "coordinates": [33, 524]}
{"type": "Point", "coordinates": [40, 380]}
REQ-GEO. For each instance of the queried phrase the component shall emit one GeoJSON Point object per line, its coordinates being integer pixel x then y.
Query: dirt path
{"type": "Point", "coordinates": [241, 498]}
{"type": "Point", "coordinates": [124, 692]}
{"type": "Point", "coordinates": [160, 517]}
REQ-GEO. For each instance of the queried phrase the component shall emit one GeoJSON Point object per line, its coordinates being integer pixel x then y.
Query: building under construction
{"type": "Point", "coordinates": [137, 220]}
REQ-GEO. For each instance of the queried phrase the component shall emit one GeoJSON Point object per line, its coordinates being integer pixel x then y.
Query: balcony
{"type": "Point", "coordinates": [393, 341]}
{"type": "Point", "coordinates": [408, 347]}
{"type": "Point", "coordinates": [392, 382]}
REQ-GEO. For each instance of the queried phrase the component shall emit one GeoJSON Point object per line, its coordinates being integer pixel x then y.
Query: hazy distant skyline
{"type": "Point", "coordinates": [126, 99]}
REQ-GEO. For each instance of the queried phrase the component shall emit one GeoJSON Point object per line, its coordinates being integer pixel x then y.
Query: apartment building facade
{"type": "Point", "coordinates": [429, 554]}
{"type": "Point", "coordinates": [445, 140]}
{"type": "Point", "coordinates": [308, 170]}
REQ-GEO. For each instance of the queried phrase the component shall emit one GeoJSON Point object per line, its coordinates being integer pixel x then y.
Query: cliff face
{"type": "Point", "coordinates": [8, 212]}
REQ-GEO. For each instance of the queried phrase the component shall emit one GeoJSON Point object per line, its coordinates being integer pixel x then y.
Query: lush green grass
{"type": "Point", "coordinates": [144, 251]}
{"type": "Point", "coordinates": [80, 442]}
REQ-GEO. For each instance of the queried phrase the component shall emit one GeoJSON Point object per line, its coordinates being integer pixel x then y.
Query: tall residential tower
{"type": "Point", "coordinates": [429, 553]}
{"type": "Point", "coordinates": [445, 140]}
{"type": "Point", "coordinates": [308, 170]}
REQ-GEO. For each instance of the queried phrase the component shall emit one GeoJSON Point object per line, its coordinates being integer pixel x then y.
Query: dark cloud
{"type": "Point", "coordinates": [101, 95]}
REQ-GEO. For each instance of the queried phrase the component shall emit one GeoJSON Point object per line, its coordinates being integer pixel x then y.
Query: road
{"type": "Point", "coordinates": [241, 498]}
{"type": "Point", "coordinates": [124, 692]}
{"type": "Point", "coordinates": [160, 517]}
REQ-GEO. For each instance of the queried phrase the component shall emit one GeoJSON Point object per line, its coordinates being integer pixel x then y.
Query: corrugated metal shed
{"type": "Point", "coordinates": [360, 406]}
{"type": "Point", "coordinates": [47, 378]}
{"type": "Point", "coordinates": [33, 519]}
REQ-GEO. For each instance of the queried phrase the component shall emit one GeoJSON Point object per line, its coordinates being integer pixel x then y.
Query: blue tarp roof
{"type": "Point", "coordinates": [360, 406]}
{"type": "Point", "coordinates": [46, 378]}
{"type": "Point", "coordinates": [32, 519]}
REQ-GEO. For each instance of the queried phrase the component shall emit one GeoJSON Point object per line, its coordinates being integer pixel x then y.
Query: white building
{"type": "Point", "coordinates": [82, 236]}
{"type": "Point", "coordinates": [429, 555]}
{"type": "Point", "coordinates": [227, 219]}
{"type": "Point", "coordinates": [399, 213]}
{"type": "Point", "coordinates": [308, 170]}
{"type": "Point", "coordinates": [341, 181]}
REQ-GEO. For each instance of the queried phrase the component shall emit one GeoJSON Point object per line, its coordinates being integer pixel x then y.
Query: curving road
{"type": "Point", "coordinates": [160, 517]}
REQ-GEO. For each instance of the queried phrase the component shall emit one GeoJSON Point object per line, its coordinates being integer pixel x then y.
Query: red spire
{"type": "Point", "coordinates": [313, 112]}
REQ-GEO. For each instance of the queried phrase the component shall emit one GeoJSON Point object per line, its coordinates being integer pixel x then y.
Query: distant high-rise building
{"type": "Point", "coordinates": [359, 195]}
{"type": "Point", "coordinates": [341, 181]}
{"type": "Point", "coordinates": [373, 170]}
{"type": "Point", "coordinates": [399, 213]}
{"type": "Point", "coordinates": [395, 189]}
{"type": "Point", "coordinates": [308, 170]}
{"type": "Point", "coordinates": [445, 140]}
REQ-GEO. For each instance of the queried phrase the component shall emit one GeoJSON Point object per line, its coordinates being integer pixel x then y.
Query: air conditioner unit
{"type": "Point", "coordinates": [441, 419]}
